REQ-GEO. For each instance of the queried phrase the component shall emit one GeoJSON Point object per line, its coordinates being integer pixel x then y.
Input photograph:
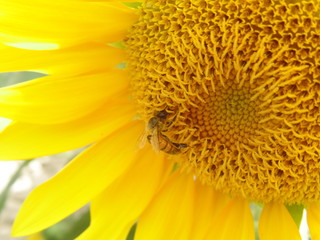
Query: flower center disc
{"type": "Point", "coordinates": [240, 83]}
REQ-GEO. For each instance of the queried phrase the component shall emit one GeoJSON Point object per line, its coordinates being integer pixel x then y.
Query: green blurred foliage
{"type": "Point", "coordinates": [296, 212]}
{"type": "Point", "coordinates": [256, 212]}
{"type": "Point", "coordinates": [132, 232]}
{"type": "Point", "coordinates": [69, 228]}
{"type": "Point", "coordinates": [10, 78]}
{"type": "Point", "coordinates": [73, 226]}
{"type": "Point", "coordinates": [119, 44]}
{"type": "Point", "coordinates": [133, 4]}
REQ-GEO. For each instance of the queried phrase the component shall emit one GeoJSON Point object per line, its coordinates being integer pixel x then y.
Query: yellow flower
{"type": "Point", "coordinates": [225, 92]}
{"type": "Point", "coordinates": [36, 237]}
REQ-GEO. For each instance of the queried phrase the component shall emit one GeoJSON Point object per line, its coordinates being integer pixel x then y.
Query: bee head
{"type": "Point", "coordinates": [162, 115]}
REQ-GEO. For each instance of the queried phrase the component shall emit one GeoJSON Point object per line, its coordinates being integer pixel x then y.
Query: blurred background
{"type": "Point", "coordinates": [18, 178]}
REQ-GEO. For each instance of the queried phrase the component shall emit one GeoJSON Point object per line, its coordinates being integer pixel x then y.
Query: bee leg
{"type": "Point", "coordinates": [180, 145]}
{"type": "Point", "coordinates": [183, 145]}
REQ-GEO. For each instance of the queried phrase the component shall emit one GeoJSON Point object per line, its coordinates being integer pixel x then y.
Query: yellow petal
{"type": "Point", "coordinates": [313, 216]}
{"type": "Point", "coordinates": [74, 60]}
{"type": "Point", "coordinates": [208, 205]}
{"type": "Point", "coordinates": [78, 183]}
{"type": "Point", "coordinates": [120, 205]}
{"type": "Point", "coordinates": [37, 236]}
{"type": "Point", "coordinates": [25, 141]}
{"type": "Point", "coordinates": [114, 0]}
{"type": "Point", "coordinates": [55, 99]}
{"type": "Point", "coordinates": [276, 223]}
{"type": "Point", "coordinates": [170, 214]}
{"type": "Point", "coordinates": [235, 221]}
{"type": "Point", "coordinates": [62, 22]}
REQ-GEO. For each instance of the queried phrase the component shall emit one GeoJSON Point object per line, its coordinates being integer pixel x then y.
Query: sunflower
{"type": "Point", "coordinates": [192, 109]}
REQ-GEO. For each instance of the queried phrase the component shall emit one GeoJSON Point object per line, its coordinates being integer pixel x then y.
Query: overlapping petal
{"type": "Point", "coordinates": [25, 140]}
{"type": "Point", "coordinates": [69, 61]}
{"type": "Point", "coordinates": [207, 207]}
{"type": "Point", "coordinates": [117, 208]}
{"type": "Point", "coordinates": [276, 223]}
{"type": "Point", "coordinates": [235, 221]}
{"type": "Point", "coordinates": [170, 214]}
{"type": "Point", "coordinates": [37, 236]}
{"type": "Point", "coordinates": [62, 22]}
{"type": "Point", "coordinates": [55, 99]}
{"type": "Point", "coordinates": [313, 216]}
{"type": "Point", "coordinates": [79, 182]}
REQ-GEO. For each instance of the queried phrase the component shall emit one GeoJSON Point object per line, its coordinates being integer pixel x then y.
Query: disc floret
{"type": "Point", "coordinates": [243, 79]}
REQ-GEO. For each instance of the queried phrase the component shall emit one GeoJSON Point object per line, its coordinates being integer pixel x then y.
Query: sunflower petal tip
{"type": "Point", "coordinates": [18, 228]}
{"type": "Point", "coordinates": [23, 227]}
{"type": "Point", "coordinates": [24, 223]}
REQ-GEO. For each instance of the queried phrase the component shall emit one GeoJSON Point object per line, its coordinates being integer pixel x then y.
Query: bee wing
{"type": "Point", "coordinates": [141, 142]}
{"type": "Point", "coordinates": [154, 140]}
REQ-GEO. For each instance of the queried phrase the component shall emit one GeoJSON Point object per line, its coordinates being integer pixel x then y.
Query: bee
{"type": "Point", "coordinates": [154, 134]}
